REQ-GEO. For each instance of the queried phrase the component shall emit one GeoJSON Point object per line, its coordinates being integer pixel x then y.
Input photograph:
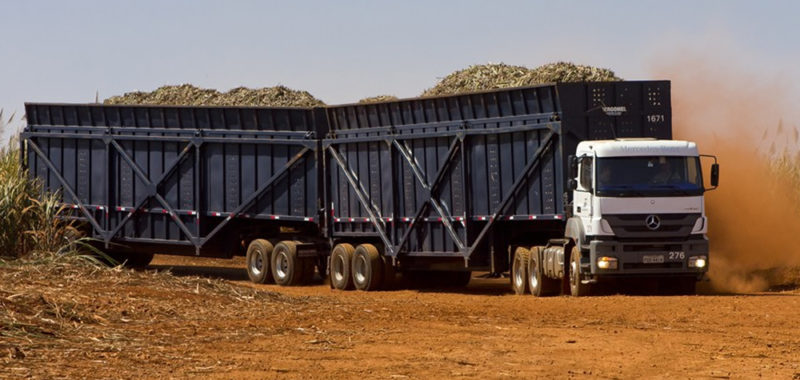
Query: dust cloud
{"type": "Point", "coordinates": [745, 119]}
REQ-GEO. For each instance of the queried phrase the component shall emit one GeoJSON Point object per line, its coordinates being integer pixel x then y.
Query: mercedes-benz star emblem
{"type": "Point", "coordinates": [652, 222]}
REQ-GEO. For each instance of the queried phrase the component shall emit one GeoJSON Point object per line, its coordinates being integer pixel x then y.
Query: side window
{"type": "Point", "coordinates": [586, 173]}
{"type": "Point", "coordinates": [693, 171]}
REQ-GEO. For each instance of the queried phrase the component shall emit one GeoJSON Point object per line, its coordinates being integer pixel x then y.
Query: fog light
{"type": "Point", "coordinates": [607, 262]}
{"type": "Point", "coordinates": [697, 262]}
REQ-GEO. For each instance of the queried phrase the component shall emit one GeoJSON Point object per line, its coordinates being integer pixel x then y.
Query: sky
{"type": "Point", "coordinates": [342, 51]}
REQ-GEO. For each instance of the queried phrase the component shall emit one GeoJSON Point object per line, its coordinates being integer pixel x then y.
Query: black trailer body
{"type": "Point", "coordinates": [189, 180]}
{"type": "Point", "coordinates": [456, 181]}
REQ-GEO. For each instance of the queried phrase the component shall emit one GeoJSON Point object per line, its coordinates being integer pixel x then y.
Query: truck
{"type": "Point", "coordinates": [559, 186]}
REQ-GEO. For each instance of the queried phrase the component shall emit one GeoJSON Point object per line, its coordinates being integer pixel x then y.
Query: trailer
{"type": "Point", "coordinates": [203, 181]}
{"type": "Point", "coordinates": [502, 181]}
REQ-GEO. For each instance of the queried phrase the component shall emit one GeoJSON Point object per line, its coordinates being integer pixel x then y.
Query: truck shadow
{"type": "Point", "coordinates": [478, 285]}
{"type": "Point", "coordinates": [224, 273]}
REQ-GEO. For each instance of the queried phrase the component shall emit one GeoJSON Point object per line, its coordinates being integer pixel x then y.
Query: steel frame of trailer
{"type": "Point", "coordinates": [459, 132]}
{"type": "Point", "coordinates": [193, 141]}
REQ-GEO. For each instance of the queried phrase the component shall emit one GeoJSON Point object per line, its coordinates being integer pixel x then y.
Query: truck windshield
{"type": "Point", "coordinates": [657, 176]}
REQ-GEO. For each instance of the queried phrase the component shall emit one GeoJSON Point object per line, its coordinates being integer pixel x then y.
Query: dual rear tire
{"type": "Point", "coordinates": [361, 268]}
{"type": "Point", "coordinates": [538, 283]}
{"type": "Point", "coordinates": [279, 264]}
{"type": "Point", "coordinates": [528, 274]}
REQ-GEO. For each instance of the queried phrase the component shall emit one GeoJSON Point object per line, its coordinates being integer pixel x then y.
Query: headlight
{"type": "Point", "coordinates": [698, 261]}
{"type": "Point", "coordinates": [607, 263]}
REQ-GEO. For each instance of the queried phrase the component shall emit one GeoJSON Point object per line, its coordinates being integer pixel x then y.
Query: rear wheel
{"type": "Point", "coordinates": [258, 258]}
{"type": "Point", "coordinates": [341, 261]}
{"type": "Point", "coordinates": [287, 268]}
{"type": "Point", "coordinates": [367, 268]}
{"type": "Point", "coordinates": [539, 284]}
{"type": "Point", "coordinates": [576, 287]}
{"type": "Point", "coordinates": [519, 271]}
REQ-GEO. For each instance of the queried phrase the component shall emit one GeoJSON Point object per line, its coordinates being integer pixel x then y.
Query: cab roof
{"type": "Point", "coordinates": [637, 147]}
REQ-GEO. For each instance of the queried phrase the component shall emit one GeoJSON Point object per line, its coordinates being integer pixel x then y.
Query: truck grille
{"type": "Point", "coordinates": [635, 225]}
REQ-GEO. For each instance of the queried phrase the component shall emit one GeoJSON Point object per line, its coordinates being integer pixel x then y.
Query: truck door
{"type": "Point", "coordinates": [582, 198]}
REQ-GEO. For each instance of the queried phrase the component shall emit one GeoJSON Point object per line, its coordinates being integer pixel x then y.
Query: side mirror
{"type": "Point", "coordinates": [715, 175]}
{"type": "Point", "coordinates": [573, 166]}
{"type": "Point", "coordinates": [572, 184]}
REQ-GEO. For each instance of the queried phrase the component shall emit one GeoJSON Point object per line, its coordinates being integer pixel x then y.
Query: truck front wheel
{"type": "Point", "coordinates": [576, 287]}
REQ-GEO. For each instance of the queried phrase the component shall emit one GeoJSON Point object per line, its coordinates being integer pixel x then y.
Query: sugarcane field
{"type": "Point", "coordinates": [298, 190]}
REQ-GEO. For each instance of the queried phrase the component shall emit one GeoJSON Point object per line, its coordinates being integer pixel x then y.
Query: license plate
{"type": "Point", "coordinates": [653, 259]}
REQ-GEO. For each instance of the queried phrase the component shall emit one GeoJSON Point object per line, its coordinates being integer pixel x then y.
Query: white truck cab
{"type": "Point", "coordinates": [638, 209]}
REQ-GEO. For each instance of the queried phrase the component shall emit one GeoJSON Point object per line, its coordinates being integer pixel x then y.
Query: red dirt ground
{"type": "Point", "coordinates": [482, 331]}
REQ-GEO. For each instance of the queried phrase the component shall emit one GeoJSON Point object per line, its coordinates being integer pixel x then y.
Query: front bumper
{"type": "Point", "coordinates": [648, 258]}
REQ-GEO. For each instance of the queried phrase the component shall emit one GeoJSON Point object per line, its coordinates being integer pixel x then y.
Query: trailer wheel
{"type": "Point", "coordinates": [259, 255]}
{"type": "Point", "coordinates": [367, 268]}
{"type": "Point", "coordinates": [287, 268]}
{"type": "Point", "coordinates": [341, 260]}
{"type": "Point", "coordinates": [539, 284]}
{"type": "Point", "coordinates": [519, 271]}
{"type": "Point", "coordinates": [576, 287]}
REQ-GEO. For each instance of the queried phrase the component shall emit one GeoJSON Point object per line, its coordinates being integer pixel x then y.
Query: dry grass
{"type": "Point", "coordinates": [187, 94]}
{"type": "Point", "coordinates": [378, 98]}
{"type": "Point", "coordinates": [72, 312]}
{"type": "Point", "coordinates": [784, 156]}
{"type": "Point", "coordinates": [499, 75]}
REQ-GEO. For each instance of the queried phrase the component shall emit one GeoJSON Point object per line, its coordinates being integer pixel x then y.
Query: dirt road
{"type": "Point", "coordinates": [140, 331]}
{"type": "Point", "coordinates": [484, 331]}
